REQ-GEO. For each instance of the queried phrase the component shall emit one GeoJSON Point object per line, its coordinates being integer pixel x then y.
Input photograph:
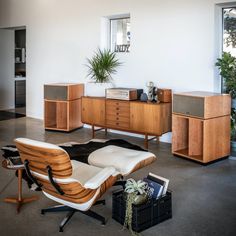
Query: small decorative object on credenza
{"type": "Point", "coordinates": [143, 97]}
{"type": "Point", "coordinates": [164, 95]}
{"type": "Point", "coordinates": [150, 86]}
{"type": "Point", "coordinates": [149, 212]}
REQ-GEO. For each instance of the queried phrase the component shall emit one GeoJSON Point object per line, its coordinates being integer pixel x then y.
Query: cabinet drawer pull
{"type": "Point", "coordinates": [117, 108]}
{"type": "Point", "coordinates": [117, 118]}
{"type": "Point", "coordinates": [117, 123]}
{"type": "Point", "coordinates": [117, 113]}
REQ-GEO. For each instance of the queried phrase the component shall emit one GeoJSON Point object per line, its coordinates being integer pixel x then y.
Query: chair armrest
{"type": "Point", "coordinates": [97, 180]}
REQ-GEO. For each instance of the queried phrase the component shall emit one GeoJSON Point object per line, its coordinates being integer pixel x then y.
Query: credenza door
{"type": "Point", "coordinates": [145, 118]}
{"type": "Point", "coordinates": [93, 111]}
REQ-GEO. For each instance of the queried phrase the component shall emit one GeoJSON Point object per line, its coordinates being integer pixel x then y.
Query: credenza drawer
{"type": "Point", "coordinates": [112, 103]}
{"type": "Point", "coordinates": [120, 110]}
{"type": "Point", "coordinates": [117, 118]}
{"type": "Point", "coordinates": [117, 124]}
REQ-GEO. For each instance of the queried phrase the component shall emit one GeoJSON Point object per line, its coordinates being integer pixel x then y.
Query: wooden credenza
{"type": "Point", "coordinates": [149, 119]}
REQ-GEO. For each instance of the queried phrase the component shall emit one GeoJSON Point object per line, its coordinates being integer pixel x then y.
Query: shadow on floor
{"type": "Point", "coordinates": [6, 115]}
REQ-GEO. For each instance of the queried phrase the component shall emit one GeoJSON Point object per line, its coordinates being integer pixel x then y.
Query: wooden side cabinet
{"type": "Point", "coordinates": [62, 106]}
{"type": "Point", "coordinates": [93, 111]}
{"type": "Point", "coordinates": [199, 138]}
{"type": "Point", "coordinates": [149, 118]}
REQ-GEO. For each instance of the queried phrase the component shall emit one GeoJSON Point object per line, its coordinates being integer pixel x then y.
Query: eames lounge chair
{"type": "Point", "coordinates": [75, 185]}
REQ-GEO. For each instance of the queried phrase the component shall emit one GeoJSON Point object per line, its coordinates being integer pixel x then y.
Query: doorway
{"type": "Point", "coordinates": [20, 70]}
{"type": "Point", "coordinates": [12, 72]}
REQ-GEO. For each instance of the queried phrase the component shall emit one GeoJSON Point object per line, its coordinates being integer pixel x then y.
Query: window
{"type": "Point", "coordinates": [120, 34]}
{"type": "Point", "coordinates": [228, 35]}
{"type": "Point", "coordinates": [229, 30]}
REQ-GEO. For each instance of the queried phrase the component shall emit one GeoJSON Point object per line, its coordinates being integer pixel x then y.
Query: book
{"type": "Point", "coordinates": [161, 180]}
{"type": "Point", "coordinates": [155, 188]}
{"type": "Point", "coordinates": [15, 161]}
{"type": "Point", "coordinates": [11, 154]}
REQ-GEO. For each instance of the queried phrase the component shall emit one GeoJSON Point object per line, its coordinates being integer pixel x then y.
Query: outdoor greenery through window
{"type": "Point", "coordinates": [229, 37]}
{"type": "Point", "coordinates": [229, 30]}
{"type": "Point", "coordinates": [227, 65]}
{"type": "Point", "coordinates": [120, 35]}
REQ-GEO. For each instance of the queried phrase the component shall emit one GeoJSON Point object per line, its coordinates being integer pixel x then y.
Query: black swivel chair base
{"type": "Point", "coordinates": [71, 211]}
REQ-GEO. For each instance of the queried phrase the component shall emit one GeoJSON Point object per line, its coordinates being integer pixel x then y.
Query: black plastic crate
{"type": "Point", "coordinates": [145, 215]}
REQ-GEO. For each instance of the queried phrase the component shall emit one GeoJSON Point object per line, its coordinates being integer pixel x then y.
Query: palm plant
{"type": "Point", "coordinates": [102, 65]}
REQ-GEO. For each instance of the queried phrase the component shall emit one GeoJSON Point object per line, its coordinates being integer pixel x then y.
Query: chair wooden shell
{"type": "Point", "coordinates": [40, 157]}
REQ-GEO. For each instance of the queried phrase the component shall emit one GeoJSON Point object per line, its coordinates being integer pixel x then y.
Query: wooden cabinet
{"type": "Point", "coordinates": [93, 111]}
{"type": "Point", "coordinates": [199, 139]}
{"type": "Point", "coordinates": [63, 113]}
{"type": "Point", "coordinates": [132, 116]}
{"type": "Point", "coordinates": [153, 119]}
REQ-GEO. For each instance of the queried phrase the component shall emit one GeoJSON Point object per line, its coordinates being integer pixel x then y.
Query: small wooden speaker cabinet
{"type": "Point", "coordinates": [201, 126]}
{"type": "Point", "coordinates": [62, 106]}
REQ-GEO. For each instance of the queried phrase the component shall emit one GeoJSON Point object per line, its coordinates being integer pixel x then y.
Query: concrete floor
{"type": "Point", "coordinates": [204, 197]}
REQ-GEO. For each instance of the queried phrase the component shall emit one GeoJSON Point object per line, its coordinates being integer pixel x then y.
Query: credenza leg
{"type": "Point", "coordinates": [93, 131]}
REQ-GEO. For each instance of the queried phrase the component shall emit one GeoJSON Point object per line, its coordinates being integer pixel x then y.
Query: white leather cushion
{"type": "Point", "coordinates": [122, 159]}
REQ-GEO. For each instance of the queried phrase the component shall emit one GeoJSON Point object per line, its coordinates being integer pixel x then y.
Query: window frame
{"type": "Point", "coordinates": [121, 17]}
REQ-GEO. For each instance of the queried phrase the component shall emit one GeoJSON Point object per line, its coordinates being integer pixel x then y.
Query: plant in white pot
{"type": "Point", "coordinates": [100, 69]}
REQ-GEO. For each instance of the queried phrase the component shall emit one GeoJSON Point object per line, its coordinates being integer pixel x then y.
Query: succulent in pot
{"type": "Point", "coordinates": [137, 192]}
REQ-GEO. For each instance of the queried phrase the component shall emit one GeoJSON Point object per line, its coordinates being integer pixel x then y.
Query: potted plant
{"type": "Point", "coordinates": [136, 193]}
{"type": "Point", "coordinates": [227, 67]}
{"type": "Point", "coordinates": [100, 69]}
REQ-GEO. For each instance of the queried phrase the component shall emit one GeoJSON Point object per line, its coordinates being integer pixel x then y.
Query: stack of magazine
{"type": "Point", "coordinates": [12, 156]}
{"type": "Point", "coordinates": [157, 185]}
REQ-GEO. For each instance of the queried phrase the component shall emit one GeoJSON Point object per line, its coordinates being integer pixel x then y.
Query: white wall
{"type": "Point", "coordinates": [7, 83]}
{"type": "Point", "coordinates": [173, 42]}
